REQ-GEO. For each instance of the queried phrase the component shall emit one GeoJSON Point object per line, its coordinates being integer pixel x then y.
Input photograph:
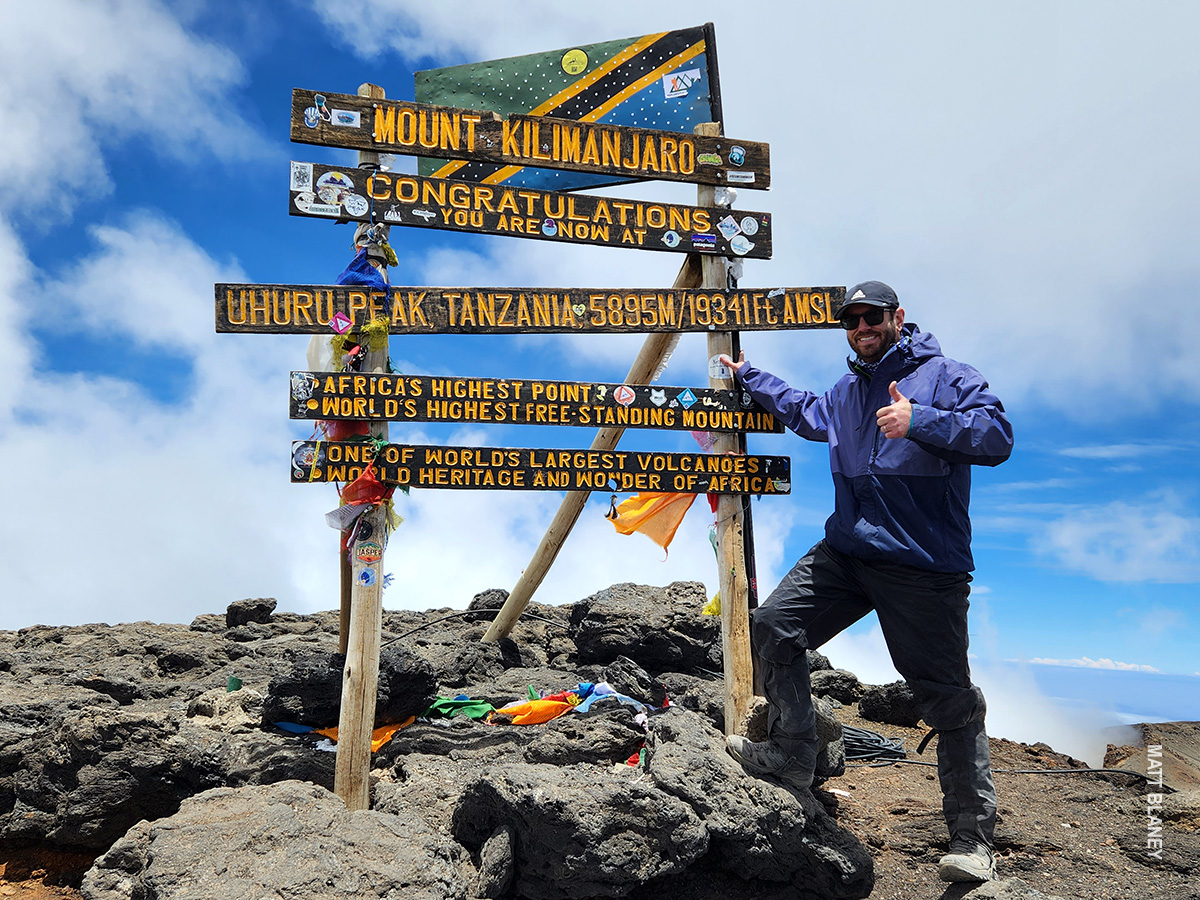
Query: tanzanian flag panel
{"type": "Point", "coordinates": [666, 81]}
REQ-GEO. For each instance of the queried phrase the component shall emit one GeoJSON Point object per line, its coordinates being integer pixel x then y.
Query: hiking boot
{"type": "Point", "coordinates": [767, 759]}
{"type": "Point", "coordinates": [967, 861]}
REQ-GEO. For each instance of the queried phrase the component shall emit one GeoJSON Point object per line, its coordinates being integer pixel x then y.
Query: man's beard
{"type": "Point", "coordinates": [887, 340]}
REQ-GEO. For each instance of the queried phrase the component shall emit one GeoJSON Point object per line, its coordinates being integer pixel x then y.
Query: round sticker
{"type": "Point", "coordinates": [311, 117]}
{"type": "Point", "coordinates": [304, 200]}
{"type": "Point", "coordinates": [366, 577]}
{"type": "Point", "coordinates": [574, 62]}
{"type": "Point", "coordinates": [671, 239]}
{"type": "Point", "coordinates": [334, 187]}
{"type": "Point", "coordinates": [549, 227]}
{"type": "Point", "coordinates": [749, 225]}
{"type": "Point", "coordinates": [355, 204]}
{"type": "Point", "coordinates": [740, 245]}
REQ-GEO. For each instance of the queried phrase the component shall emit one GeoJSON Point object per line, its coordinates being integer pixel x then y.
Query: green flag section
{"type": "Point", "coordinates": [666, 81]}
{"type": "Point", "coordinates": [522, 469]}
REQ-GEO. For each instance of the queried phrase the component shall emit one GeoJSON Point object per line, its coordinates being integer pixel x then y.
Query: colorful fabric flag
{"type": "Point", "coordinates": [656, 515]}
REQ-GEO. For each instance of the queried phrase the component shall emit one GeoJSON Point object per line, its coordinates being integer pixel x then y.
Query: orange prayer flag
{"type": "Point", "coordinates": [656, 515]}
{"type": "Point", "coordinates": [534, 712]}
{"type": "Point", "coordinates": [379, 736]}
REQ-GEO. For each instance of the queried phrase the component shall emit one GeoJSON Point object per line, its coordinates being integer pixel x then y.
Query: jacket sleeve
{"type": "Point", "coordinates": [805, 413]}
{"type": "Point", "coordinates": [965, 423]}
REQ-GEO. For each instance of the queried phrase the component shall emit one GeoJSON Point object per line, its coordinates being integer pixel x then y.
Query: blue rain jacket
{"type": "Point", "coordinates": [901, 500]}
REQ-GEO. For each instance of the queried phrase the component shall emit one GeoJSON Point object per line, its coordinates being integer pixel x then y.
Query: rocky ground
{"type": "Point", "coordinates": [128, 770]}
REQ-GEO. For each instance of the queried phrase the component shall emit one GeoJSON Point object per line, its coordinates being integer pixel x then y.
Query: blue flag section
{"type": "Point", "coordinates": [667, 81]}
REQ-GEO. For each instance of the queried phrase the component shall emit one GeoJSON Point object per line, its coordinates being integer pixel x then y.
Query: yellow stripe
{"type": "Point", "coordinates": [592, 77]}
{"type": "Point", "coordinates": [450, 168]}
{"type": "Point", "coordinates": [500, 174]}
{"type": "Point", "coordinates": [649, 78]}
{"type": "Point", "coordinates": [562, 97]}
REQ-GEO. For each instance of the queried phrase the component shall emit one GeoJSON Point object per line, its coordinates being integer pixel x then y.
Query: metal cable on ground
{"type": "Point", "coordinates": [467, 612]}
{"type": "Point", "coordinates": [863, 744]}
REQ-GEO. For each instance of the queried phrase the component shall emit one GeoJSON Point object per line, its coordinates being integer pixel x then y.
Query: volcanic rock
{"type": "Point", "coordinates": [892, 703]}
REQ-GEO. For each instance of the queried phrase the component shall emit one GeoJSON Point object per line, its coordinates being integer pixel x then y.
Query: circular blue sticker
{"type": "Point", "coordinates": [366, 577]}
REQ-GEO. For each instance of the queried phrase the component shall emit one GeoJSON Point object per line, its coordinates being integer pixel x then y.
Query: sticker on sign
{"type": "Point", "coordinates": [678, 83]}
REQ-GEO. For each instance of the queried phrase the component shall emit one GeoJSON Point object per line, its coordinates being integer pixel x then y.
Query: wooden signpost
{"type": "Point", "coordinates": [523, 469]}
{"type": "Point", "coordinates": [510, 401]}
{"type": "Point", "coordinates": [361, 620]}
{"type": "Point", "coordinates": [420, 129]}
{"type": "Point", "coordinates": [702, 299]}
{"type": "Point", "coordinates": [330, 192]}
{"type": "Point", "coordinates": [318, 308]}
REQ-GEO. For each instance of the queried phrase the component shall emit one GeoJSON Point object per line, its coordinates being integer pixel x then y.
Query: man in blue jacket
{"type": "Point", "coordinates": [903, 428]}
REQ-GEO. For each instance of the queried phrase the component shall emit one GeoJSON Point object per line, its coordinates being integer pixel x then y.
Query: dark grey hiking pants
{"type": "Point", "coordinates": [923, 615]}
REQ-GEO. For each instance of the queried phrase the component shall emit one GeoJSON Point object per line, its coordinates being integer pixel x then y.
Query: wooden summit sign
{"type": "Point", "coordinates": [507, 401]}
{"type": "Point", "coordinates": [420, 129]}
{"type": "Point", "coordinates": [342, 193]}
{"type": "Point", "coordinates": [541, 470]}
{"type": "Point", "coordinates": [314, 309]}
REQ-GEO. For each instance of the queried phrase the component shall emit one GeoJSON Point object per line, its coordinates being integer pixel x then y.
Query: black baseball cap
{"type": "Point", "coordinates": [869, 293]}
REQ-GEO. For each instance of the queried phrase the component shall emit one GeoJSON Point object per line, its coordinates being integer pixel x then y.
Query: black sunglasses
{"type": "Point", "coordinates": [871, 317]}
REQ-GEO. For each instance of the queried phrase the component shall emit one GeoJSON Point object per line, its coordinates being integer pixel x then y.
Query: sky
{"type": "Point", "coordinates": [1024, 175]}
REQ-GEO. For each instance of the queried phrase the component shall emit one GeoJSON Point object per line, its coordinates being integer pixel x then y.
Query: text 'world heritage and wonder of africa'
{"type": "Point", "coordinates": [524, 469]}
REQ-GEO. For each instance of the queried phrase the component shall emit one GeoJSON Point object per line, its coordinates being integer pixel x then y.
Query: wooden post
{"type": "Point", "coordinates": [345, 581]}
{"type": "Point", "coordinates": [731, 554]}
{"type": "Point", "coordinates": [360, 677]}
{"type": "Point", "coordinates": [653, 352]}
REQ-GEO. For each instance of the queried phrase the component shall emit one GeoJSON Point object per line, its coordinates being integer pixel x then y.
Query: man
{"type": "Point", "coordinates": [903, 428]}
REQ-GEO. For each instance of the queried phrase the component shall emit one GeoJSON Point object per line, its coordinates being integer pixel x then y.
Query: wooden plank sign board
{"type": "Point", "coordinates": [484, 468]}
{"type": "Point", "coordinates": [508, 401]}
{"type": "Point", "coordinates": [419, 129]}
{"type": "Point", "coordinates": [315, 309]}
{"type": "Point", "coordinates": [343, 193]}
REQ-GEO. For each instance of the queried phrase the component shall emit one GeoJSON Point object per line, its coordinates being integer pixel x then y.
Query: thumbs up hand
{"type": "Point", "coordinates": [895, 420]}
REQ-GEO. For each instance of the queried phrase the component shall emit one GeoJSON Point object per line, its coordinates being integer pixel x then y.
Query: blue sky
{"type": "Point", "coordinates": [1025, 176]}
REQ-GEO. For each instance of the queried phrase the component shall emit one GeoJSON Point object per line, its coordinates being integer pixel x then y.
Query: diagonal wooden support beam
{"type": "Point", "coordinates": [656, 349]}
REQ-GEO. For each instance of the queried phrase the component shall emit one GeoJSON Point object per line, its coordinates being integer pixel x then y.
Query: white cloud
{"type": "Point", "coordinates": [1159, 620]}
{"type": "Point", "coordinates": [470, 27]}
{"type": "Point", "coordinates": [1020, 711]}
{"type": "Point", "coordinates": [121, 288]}
{"type": "Point", "coordinates": [1044, 484]}
{"type": "Point", "coordinates": [81, 75]}
{"type": "Point", "coordinates": [120, 504]}
{"type": "Point", "coordinates": [15, 352]}
{"type": "Point", "coordinates": [1116, 451]}
{"type": "Point", "coordinates": [1153, 539]}
{"type": "Point", "coordinates": [1085, 662]}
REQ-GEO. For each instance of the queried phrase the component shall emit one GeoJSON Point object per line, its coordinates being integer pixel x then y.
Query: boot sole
{"type": "Point", "coordinates": [955, 873]}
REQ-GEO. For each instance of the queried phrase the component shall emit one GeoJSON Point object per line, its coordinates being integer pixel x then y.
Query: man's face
{"type": "Point", "coordinates": [870, 342]}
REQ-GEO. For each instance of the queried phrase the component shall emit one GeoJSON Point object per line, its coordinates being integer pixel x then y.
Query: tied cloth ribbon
{"type": "Point", "coordinates": [657, 514]}
{"type": "Point", "coordinates": [364, 493]}
{"type": "Point", "coordinates": [654, 514]}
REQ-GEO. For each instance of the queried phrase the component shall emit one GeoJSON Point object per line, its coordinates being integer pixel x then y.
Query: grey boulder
{"type": "Point", "coordinates": [289, 839]}
{"type": "Point", "coordinates": [660, 629]}
{"type": "Point", "coordinates": [890, 703]}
